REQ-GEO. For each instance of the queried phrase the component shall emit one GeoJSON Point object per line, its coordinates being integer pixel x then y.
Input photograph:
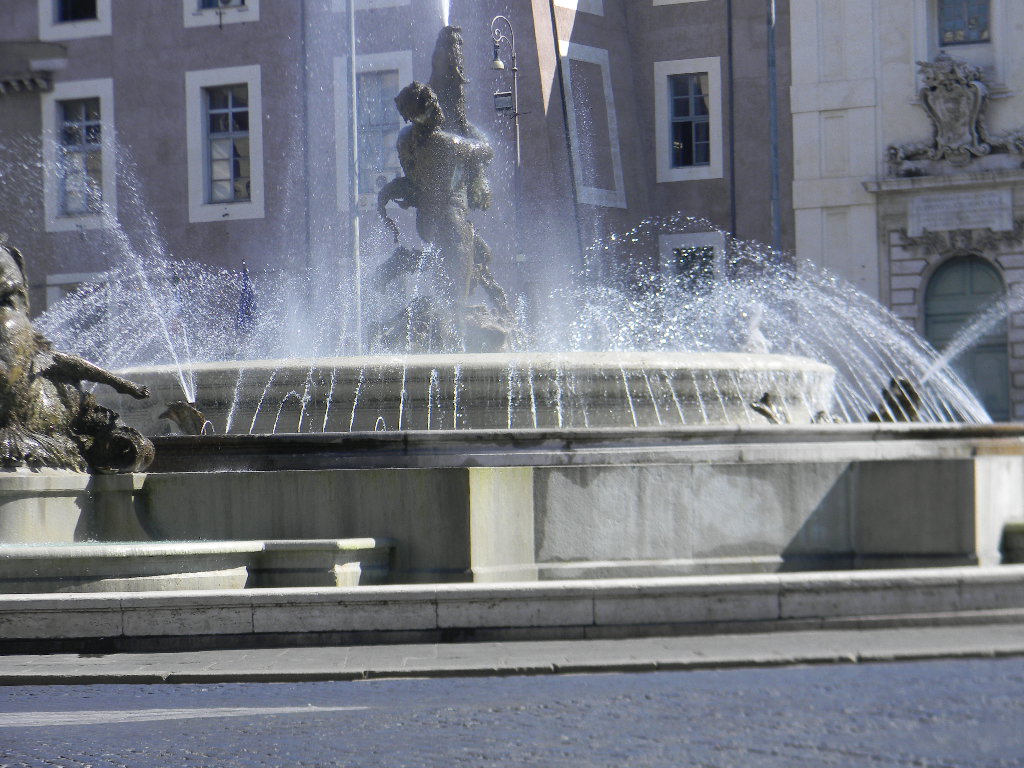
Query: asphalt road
{"type": "Point", "coordinates": [937, 713]}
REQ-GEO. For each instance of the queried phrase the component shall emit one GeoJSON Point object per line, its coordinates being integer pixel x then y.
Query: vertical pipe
{"type": "Point", "coordinates": [519, 257]}
{"type": "Point", "coordinates": [732, 120]}
{"type": "Point", "coordinates": [304, 95]}
{"type": "Point", "coordinates": [773, 116]}
{"type": "Point", "coordinates": [353, 171]}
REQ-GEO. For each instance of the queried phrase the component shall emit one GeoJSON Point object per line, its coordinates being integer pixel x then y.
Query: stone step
{"type": "Point", "coordinates": [202, 565]}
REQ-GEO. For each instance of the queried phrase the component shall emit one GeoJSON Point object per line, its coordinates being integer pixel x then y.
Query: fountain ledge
{"type": "Point", "coordinates": [554, 610]}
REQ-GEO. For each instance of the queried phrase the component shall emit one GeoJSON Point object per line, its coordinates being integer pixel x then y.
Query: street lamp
{"type": "Point", "coordinates": [508, 102]}
{"type": "Point", "coordinates": [505, 101]}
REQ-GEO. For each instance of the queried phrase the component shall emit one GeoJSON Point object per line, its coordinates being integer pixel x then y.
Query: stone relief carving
{"type": "Point", "coordinates": [963, 241]}
{"type": "Point", "coordinates": [955, 97]}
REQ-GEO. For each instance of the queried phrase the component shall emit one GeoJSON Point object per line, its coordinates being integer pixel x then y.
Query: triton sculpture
{"type": "Point", "coordinates": [443, 158]}
{"type": "Point", "coordinates": [46, 418]}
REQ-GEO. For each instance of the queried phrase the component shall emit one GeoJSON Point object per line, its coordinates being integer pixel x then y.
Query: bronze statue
{"type": "Point", "coordinates": [901, 402]}
{"type": "Point", "coordinates": [443, 158]}
{"type": "Point", "coordinates": [46, 418]}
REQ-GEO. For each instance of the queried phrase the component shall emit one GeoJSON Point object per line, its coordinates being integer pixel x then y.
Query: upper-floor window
{"type": "Point", "coordinates": [379, 124]}
{"type": "Point", "coordinates": [73, 19]}
{"type": "Point", "coordinates": [691, 120]}
{"type": "Point", "coordinates": [217, 13]}
{"type": "Point", "coordinates": [688, 119]}
{"type": "Point", "coordinates": [229, 166]}
{"type": "Point", "coordinates": [79, 163]}
{"type": "Point", "coordinates": [963, 22]}
{"type": "Point", "coordinates": [75, 10]}
{"type": "Point", "coordinates": [224, 140]}
{"type": "Point", "coordinates": [80, 159]}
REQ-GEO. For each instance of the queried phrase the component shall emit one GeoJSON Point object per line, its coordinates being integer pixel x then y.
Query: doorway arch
{"type": "Point", "coordinates": [958, 290]}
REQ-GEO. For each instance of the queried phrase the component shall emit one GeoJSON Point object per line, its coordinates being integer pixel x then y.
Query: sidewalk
{"type": "Point", "coordinates": [518, 658]}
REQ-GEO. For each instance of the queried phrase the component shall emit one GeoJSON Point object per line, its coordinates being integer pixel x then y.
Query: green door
{"type": "Point", "coordinates": [959, 290]}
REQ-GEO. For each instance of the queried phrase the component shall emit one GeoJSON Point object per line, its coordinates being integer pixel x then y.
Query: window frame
{"type": "Point", "coordinates": [51, 29]}
{"type": "Point", "coordinates": [197, 83]}
{"type": "Point", "coordinates": [215, 17]}
{"type": "Point", "coordinates": [62, 284]}
{"type": "Point", "coordinates": [56, 219]}
{"type": "Point", "coordinates": [378, 129]}
{"type": "Point", "coordinates": [370, 62]}
{"type": "Point", "coordinates": [597, 196]}
{"type": "Point", "coordinates": [341, 6]}
{"type": "Point", "coordinates": [663, 121]}
{"type": "Point", "coordinates": [668, 244]}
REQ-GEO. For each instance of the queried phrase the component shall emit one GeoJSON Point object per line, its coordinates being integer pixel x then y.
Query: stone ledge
{"type": "Point", "coordinates": [621, 608]}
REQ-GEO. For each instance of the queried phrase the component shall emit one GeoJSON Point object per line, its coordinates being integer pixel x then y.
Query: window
{"type": "Point", "coordinates": [61, 285]}
{"type": "Point", "coordinates": [76, 10]}
{"type": "Point", "coordinates": [80, 157]}
{"type": "Point", "coordinates": [963, 22]}
{"type": "Point", "coordinates": [693, 261]}
{"type": "Point", "coordinates": [692, 268]}
{"type": "Point", "coordinates": [691, 140]}
{"type": "Point", "coordinates": [379, 77]}
{"type": "Point", "coordinates": [688, 125]}
{"type": "Point", "coordinates": [228, 157]}
{"type": "Point", "coordinates": [379, 123]}
{"type": "Point", "coordinates": [593, 125]}
{"type": "Point", "coordinates": [73, 19]}
{"type": "Point", "coordinates": [224, 136]}
{"type": "Point", "coordinates": [217, 13]}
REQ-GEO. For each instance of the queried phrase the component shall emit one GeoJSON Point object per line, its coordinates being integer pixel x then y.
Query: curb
{"type": "Point", "coordinates": [84, 676]}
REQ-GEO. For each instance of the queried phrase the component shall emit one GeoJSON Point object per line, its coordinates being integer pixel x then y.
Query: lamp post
{"type": "Point", "coordinates": [502, 33]}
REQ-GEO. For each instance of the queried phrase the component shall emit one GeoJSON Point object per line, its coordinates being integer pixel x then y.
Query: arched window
{"type": "Point", "coordinates": [959, 290]}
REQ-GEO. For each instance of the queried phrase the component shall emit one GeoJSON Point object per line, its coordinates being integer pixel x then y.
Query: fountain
{"type": "Point", "coordinates": [637, 424]}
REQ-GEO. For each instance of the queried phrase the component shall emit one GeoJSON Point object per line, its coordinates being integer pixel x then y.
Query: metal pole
{"type": "Point", "coordinates": [519, 156]}
{"type": "Point", "coordinates": [732, 122]}
{"type": "Point", "coordinates": [773, 116]}
{"type": "Point", "coordinates": [499, 38]}
{"type": "Point", "coordinates": [353, 172]}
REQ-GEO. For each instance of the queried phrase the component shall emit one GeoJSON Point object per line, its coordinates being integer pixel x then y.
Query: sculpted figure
{"type": "Point", "coordinates": [443, 158]}
{"type": "Point", "coordinates": [46, 418]}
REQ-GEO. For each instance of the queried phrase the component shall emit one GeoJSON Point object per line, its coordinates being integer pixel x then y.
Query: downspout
{"type": "Point", "coordinates": [305, 129]}
{"type": "Point", "coordinates": [732, 120]}
{"type": "Point", "coordinates": [773, 116]}
{"type": "Point", "coordinates": [353, 171]}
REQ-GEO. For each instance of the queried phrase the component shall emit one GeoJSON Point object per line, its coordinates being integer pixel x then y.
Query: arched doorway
{"type": "Point", "coordinates": [959, 289]}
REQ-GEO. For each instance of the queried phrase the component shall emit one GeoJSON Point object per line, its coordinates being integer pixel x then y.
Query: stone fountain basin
{"type": "Point", "coordinates": [576, 390]}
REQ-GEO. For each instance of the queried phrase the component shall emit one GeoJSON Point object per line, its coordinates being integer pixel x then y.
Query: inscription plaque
{"type": "Point", "coordinates": [984, 209]}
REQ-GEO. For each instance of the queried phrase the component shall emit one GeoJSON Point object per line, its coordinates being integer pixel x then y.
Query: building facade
{"type": "Point", "coordinates": [221, 130]}
{"type": "Point", "coordinates": [908, 122]}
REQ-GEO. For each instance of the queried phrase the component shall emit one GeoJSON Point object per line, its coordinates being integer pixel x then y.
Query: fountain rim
{"type": "Point", "coordinates": [482, 448]}
{"type": "Point", "coordinates": [472, 362]}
